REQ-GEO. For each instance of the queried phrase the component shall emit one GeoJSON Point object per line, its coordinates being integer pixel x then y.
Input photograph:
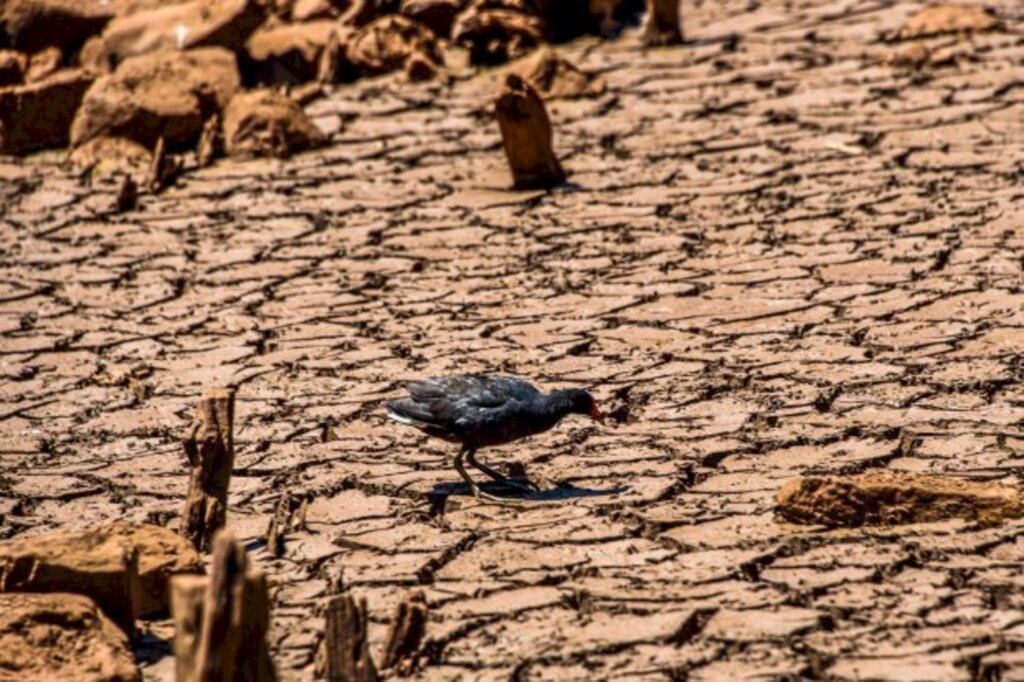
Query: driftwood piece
{"type": "Point", "coordinates": [211, 454]}
{"type": "Point", "coordinates": [346, 653]}
{"type": "Point", "coordinates": [664, 23]}
{"type": "Point", "coordinates": [526, 135]}
{"type": "Point", "coordinates": [221, 622]}
{"type": "Point", "coordinates": [406, 634]}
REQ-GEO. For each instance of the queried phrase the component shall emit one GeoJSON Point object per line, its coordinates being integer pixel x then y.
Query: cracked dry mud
{"type": "Point", "coordinates": [779, 254]}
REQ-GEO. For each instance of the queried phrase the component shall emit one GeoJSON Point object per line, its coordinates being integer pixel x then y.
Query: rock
{"type": "Point", "coordinates": [289, 53]}
{"type": "Point", "coordinates": [32, 25]}
{"type": "Point", "coordinates": [386, 44]}
{"type": "Point", "coordinates": [885, 497]}
{"type": "Point", "coordinates": [940, 19]}
{"type": "Point", "coordinates": [307, 10]}
{"type": "Point", "coordinates": [105, 157]}
{"type": "Point", "coordinates": [266, 123]}
{"type": "Point", "coordinates": [201, 23]}
{"type": "Point", "coordinates": [437, 15]}
{"type": "Point", "coordinates": [38, 115]}
{"type": "Point", "coordinates": [61, 637]}
{"type": "Point", "coordinates": [97, 564]}
{"type": "Point", "coordinates": [12, 67]}
{"type": "Point", "coordinates": [495, 36]}
{"type": "Point", "coordinates": [553, 76]}
{"type": "Point", "coordinates": [44, 64]}
{"type": "Point", "coordinates": [167, 94]}
{"type": "Point", "coordinates": [162, 555]}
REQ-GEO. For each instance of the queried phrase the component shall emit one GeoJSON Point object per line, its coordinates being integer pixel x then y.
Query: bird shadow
{"type": "Point", "coordinates": [563, 491]}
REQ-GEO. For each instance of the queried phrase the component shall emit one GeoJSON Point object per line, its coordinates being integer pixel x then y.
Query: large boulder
{"type": "Point", "coordinates": [162, 555]}
{"type": "Point", "coordinates": [166, 94]}
{"type": "Point", "coordinates": [553, 76]}
{"type": "Point", "coordinates": [437, 15]}
{"type": "Point", "coordinates": [61, 636]}
{"type": "Point", "coordinates": [200, 23]}
{"type": "Point", "coordinates": [886, 497]}
{"type": "Point", "coordinates": [290, 53]}
{"type": "Point", "coordinates": [38, 115]}
{"type": "Point", "coordinates": [99, 565]}
{"type": "Point", "coordinates": [32, 25]}
{"type": "Point", "coordinates": [389, 43]}
{"type": "Point", "coordinates": [493, 36]}
{"type": "Point", "coordinates": [267, 123]}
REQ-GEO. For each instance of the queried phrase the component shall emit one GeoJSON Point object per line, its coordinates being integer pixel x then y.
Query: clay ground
{"type": "Point", "coordinates": [778, 255]}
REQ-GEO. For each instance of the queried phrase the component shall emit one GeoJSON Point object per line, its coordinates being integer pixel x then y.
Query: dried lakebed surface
{"type": "Point", "coordinates": [780, 254]}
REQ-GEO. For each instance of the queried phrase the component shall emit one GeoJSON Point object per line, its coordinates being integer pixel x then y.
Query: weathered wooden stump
{"type": "Point", "coordinates": [211, 143]}
{"type": "Point", "coordinates": [289, 514]}
{"type": "Point", "coordinates": [526, 135]}
{"type": "Point", "coordinates": [211, 454]}
{"type": "Point", "coordinates": [221, 621]}
{"type": "Point", "coordinates": [127, 195]}
{"type": "Point", "coordinates": [163, 169]}
{"type": "Point", "coordinates": [345, 654]}
{"type": "Point", "coordinates": [406, 634]}
{"type": "Point", "coordinates": [664, 23]}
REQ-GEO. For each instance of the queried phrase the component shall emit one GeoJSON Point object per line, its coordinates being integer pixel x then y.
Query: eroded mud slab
{"type": "Point", "coordinates": [783, 253]}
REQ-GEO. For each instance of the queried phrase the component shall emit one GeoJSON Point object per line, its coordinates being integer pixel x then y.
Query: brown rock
{"type": "Point", "coordinates": [167, 94]}
{"type": "Point", "coordinates": [12, 67]}
{"type": "Point", "coordinates": [885, 497]}
{"type": "Point", "coordinates": [388, 43]}
{"type": "Point", "coordinates": [44, 64]}
{"type": "Point", "coordinates": [162, 555]}
{"type": "Point", "coordinates": [96, 563]}
{"type": "Point", "coordinates": [554, 76]}
{"type": "Point", "coordinates": [941, 19]}
{"type": "Point", "coordinates": [35, 24]}
{"type": "Point", "coordinates": [495, 36]}
{"type": "Point", "coordinates": [308, 10]}
{"type": "Point", "coordinates": [105, 157]}
{"type": "Point", "coordinates": [61, 637]}
{"type": "Point", "coordinates": [201, 23]}
{"type": "Point", "coordinates": [437, 15]}
{"type": "Point", "coordinates": [39, 115]}
{"type": "Point", "coordinates": [266, 123]}
{"type": "Point", "coordinates": [289, 53]}
{"type": "Point", "coordinates": [361, 12]}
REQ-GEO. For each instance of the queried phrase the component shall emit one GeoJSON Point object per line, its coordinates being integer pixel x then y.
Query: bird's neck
{"type": "Point", "coordinates": [558, 404]}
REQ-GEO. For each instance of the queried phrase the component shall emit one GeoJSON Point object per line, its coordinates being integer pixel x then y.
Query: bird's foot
{"type": "Point", "coordinates": [487, 497]}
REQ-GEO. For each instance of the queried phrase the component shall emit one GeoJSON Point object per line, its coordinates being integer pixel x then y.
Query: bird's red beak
{"type": "Point", "coordinates": [595, 413]}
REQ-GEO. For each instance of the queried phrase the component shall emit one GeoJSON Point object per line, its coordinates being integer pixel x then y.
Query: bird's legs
{"type": "Point", "coordinates": [473, 488]}
{"type": "Point", "coordinates": [497, 476]}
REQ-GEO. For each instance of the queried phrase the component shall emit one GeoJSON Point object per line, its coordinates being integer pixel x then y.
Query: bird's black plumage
{"type": "Point", "coordinates": [479, 410]}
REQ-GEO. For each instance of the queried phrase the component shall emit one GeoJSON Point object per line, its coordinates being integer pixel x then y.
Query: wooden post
{"type": "Point", "coordinates": [163, 169]}
{"type": "Point", "coordinates": [328, 69]}
{"type": "Point", "coordinates": [221, 622]}
{"type": "Point", "coordinates": [664, 23]}
{"type": "Point", "coordinates": [210, 142]}
{"type": "Point", "coordinates": [211, 454]}
{"type": "Point", "coordinates": [127, 195]}
{"type": "Point", "coordinates": [406, 633]}
{"type": "Point", "coordinates": [187, 594]}
{"type": "Point", "coordinates": [345, 649]}
{"type": "Point", "coordinates": [526, 135]}
{"type": "Point", "coordinates": [290, 514]}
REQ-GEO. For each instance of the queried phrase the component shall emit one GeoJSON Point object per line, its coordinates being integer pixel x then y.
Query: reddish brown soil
{"type": "Point", "coordinates": [780, 255]}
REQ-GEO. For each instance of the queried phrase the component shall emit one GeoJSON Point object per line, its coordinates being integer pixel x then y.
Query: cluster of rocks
{"type": "Point", "coordinates": [113, 79]}
{"type": "Point", "coordinates": [69, 602]}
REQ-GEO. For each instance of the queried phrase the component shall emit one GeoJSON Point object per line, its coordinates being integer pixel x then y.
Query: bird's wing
{"type": "Point", "coordinates": [470, 390]}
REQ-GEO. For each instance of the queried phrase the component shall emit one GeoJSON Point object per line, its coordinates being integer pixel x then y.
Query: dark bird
{"type": "Point", "coordinates": [481, 410]}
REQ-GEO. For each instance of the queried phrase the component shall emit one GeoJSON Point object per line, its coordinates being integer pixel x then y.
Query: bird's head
{"type": "Point", "coordinates": [584, 403]}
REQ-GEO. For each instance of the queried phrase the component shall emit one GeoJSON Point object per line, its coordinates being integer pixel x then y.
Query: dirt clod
{"type": "Point", "coordinates": [38, 115]}
{"type": "Point", "coordinates": [494, 36]}
{"type": "Point", "coordinates": [386, 44]}
{"type": "Point", "coordinates": [267, 123]}
{"type": "Point", "coordinates": [940, 19]}
{"type": "Point", "coordinates": [61, 636]}
{"type": "Point", "coordinates": [889, 498]}
{"type": "Point", "coordinates": [553, 76]}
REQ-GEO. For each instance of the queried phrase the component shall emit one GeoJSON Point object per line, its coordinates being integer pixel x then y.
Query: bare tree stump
{"type": "Point", "coordinates": [211, 454]}
{"type": "Point", "coordinates": [210, 142]}
{"type": "Point", "coordinates": [346, 653]}
{"type": "Point", "coordinates": [406, 633]}
{"type": "Point", "coordinates": [187, 594]}
{"type": "Point", "coordinates": [526, 135]}
{"type": "Point", "coordinates": [664, 23]}
{"type": "Point", "coordinates": [163, 169]}
{"type": "Point", "coordinates": [290, 514]}
{"type": "Point", "coordinates": [221, 622]}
